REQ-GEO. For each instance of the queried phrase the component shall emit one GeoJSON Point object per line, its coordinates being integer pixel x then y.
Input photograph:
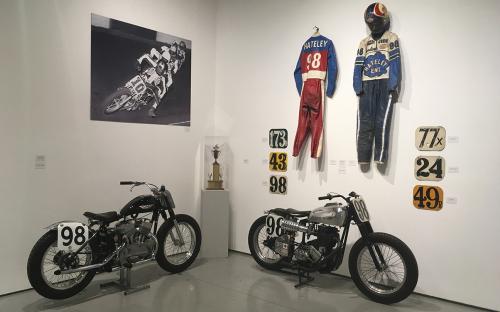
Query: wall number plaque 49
{"type": "Point", "coordinates": [430, 138]}
{"type": "Point", "coordinates": [429, 168]}
{"type": "Point", "coordinates": [278, 138]}
{"type": "Point", "coordinates": [278, 184]}
{"type": "Point", "coordinates": [428, 197]}
{"type": "Point", "coordinates": [278, 161]}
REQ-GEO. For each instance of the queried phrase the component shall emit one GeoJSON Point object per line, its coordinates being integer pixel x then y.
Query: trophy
{"type": "Point", "coordinates": [215, 182]}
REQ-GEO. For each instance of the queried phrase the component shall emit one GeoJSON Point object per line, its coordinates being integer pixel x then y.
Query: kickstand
{"type": "Point", "coordinates": [125, 283]}
{"type": "Point", "coordinates": [303, 275]}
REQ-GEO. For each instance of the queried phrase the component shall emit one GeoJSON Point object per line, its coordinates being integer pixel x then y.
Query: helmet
{"type": "Point", "coordinates": [377, 18]}
{"type": "Point", "coordinates": [182, 45]}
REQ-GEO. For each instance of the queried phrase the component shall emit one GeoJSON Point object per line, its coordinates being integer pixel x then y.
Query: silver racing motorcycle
{"type": "Point", "coordinates": [381, 265]}
{"type": "Point", "coordinates": [66, 258]}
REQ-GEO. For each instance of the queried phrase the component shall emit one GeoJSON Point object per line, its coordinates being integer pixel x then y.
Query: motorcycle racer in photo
{"type": "Point", "coordinates": [155, 77]}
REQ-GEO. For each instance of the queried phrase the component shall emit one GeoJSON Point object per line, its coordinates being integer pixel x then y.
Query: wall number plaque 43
{"type": "Point", "coordinates": [428, 197]}
{"type": "Point", "coordinates": [278, 184]}
{"type": "Point", "coordinates": [278, 138]}
{"type": "Point", "coordinates": [430, 138]}
{"type": "Point", "coordinates": [278, 161]}
{"type": "Point", "coordinates": [429, 168]}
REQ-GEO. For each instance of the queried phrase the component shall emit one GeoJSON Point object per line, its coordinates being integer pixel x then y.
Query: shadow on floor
{"type": "Point", "coordinates": [142, 275]}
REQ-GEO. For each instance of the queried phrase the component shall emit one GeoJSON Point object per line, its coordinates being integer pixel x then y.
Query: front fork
{"type": "Point", "coordinates": [179, 240]}
{"type": "Point", "coordinates": [366, 229]}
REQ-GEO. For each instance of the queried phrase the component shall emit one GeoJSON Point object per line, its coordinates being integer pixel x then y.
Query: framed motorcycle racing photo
{"type": "Point", "coordinates": [139, 75]}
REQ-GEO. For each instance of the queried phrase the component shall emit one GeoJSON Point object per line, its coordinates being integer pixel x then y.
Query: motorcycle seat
{"type": "Point", "coordinates": [105, 216]}
{"type": "Point", "coordinates": [290, 212]}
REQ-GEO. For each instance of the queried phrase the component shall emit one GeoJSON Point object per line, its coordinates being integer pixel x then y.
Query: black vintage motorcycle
{"type": "Point", "coordinates": [381, 265]}
{"type": "Point", "coordinates": [66, 258]}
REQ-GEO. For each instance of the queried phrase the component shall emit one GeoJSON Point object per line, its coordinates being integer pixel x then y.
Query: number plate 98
{"type": "Point", "coordinates": [71, 236]}
{"type": "Point", "coordinates": [273, 225]}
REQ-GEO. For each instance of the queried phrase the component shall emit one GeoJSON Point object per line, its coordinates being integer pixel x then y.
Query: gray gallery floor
{"type": "Point", "coordinates": [232, 284]}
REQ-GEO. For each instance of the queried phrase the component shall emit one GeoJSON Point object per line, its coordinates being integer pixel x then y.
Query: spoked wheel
{"type": "Point", "coordinates": [176, 255]}
{"type": "Point", "coordinates": [265, 256]}
{"type": "Point", "coordinates": [397, 276]}
{"type": "Point", "coordinates": [116, 100]}
{"type": "Point", "coordinates": [45, 259]}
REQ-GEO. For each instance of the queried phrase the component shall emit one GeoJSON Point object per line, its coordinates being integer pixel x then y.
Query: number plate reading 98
{"type": "Point", "coordinates": [71, 236]}
{"type": "Point", "coordinates": [273, 224]}
{"type": "Point", "coordinates": [361, 211]}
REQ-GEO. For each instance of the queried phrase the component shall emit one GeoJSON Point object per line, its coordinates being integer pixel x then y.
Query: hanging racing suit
{"type": "Point", "coordinates": [316, 63]}
{"type": "Point", "coordinates": [377, 73]}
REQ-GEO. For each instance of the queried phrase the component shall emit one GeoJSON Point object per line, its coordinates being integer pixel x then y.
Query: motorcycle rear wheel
{"type": "Point", "coordinates": [263, 255]}
{"type": "Point", "coordinates": [43, 279]}
{"type": "Point", "coordinates": [393, 283]}
{"type": "Point", "coordinates": [116, 100]}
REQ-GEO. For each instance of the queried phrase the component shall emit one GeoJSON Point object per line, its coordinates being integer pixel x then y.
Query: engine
{"type": "Point", "coordinates": [140, 243]}
{"type": "Point", "coordinates": [326, 241]}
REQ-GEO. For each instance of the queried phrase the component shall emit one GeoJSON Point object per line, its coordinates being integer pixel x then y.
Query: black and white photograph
{"type": "Point", "coordinates": [139, 75]}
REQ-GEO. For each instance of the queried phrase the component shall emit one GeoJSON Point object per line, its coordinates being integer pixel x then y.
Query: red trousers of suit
{"type": "Point", "coordinates": [310, 117]}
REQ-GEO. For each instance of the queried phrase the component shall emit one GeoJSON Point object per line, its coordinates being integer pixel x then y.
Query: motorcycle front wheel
{"type": "Point", "coordinates": [116, 100]}
{"type": "Point", "coordinates": [42, 263]}
{"type": "Point", "coordinates": [395, 280]}
{"type": "Point", "coordinates": [263, 255]}
{"type": "Point", "coordinates": [173, 255]}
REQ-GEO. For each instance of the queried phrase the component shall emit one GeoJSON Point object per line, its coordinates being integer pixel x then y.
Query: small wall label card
{"type": "Point", "coordinates": [428, 197]}
{"type": "Point", "coordinates": [430, 138]}
{"type": "Point", "coordinates": [429, 168]}
{"type": "Point", "coordinates": [278, 185]}
{"type": "Point", "coordinates": [278, 161]}
{"type": "Point", "coordinates": [278, 138]}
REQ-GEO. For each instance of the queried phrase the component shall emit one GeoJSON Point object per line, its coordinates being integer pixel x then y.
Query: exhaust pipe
{"type": "Point", "coordinates": [92, 266]}
{"type": "Point", "coordinates": [109, 258]}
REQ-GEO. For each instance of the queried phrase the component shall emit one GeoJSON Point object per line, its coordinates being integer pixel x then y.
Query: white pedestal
{"type": "Point", "coordinates": [214, 223]}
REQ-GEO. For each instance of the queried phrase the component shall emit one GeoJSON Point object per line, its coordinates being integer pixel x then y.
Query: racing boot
{"type": "Point", "coordinates": [152, 112]}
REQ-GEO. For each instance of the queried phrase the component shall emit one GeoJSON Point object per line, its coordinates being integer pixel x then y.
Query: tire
{"type": "Point", "coordinates": [109, 103]}
{"type": "Point", "coordinates": [36, 276]}
{"type": "Point", "coordinates": [185, 222]}
{"type": "Point", "coordinates": [359, 255]}
{"type": "Point", "coordinates": [257, 251]}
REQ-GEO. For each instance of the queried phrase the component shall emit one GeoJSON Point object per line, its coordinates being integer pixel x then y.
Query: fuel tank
{"type": "Point", "coordinates": [140, 204]}
{"type": "Point", "coordinates": [331, 214]}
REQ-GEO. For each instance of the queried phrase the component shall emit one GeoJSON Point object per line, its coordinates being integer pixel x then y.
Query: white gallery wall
{"type": "Point", "coordinates": [45, 110]}
{"type": "Point", "coordinates": [450, 79]}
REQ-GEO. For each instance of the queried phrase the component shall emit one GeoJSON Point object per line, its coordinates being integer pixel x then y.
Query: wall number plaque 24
{"type": "Point", "coordinates": [428, 197]}
{"type": "Point", "coordinates": [429, 168]}
{"type": "Point", "coordinates": [278, 161]}
{"type": "Point", "coordinates": [278, 138]}
{"type": "Point", "coordinates": [430, 138]}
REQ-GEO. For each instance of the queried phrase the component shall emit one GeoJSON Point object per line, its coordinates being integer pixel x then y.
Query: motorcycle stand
{"type": "Point", "coordinates": [125, 283]}
{"type": "Point", "coordinates": [306, 275]}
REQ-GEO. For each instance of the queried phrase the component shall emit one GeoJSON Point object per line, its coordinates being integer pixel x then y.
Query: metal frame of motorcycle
{"type": "Point", "coordinates": [365, 229]}
{"type": "Point", "coordinates": [124, 282]}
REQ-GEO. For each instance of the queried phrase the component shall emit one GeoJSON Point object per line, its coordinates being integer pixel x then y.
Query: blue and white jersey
{"type": "Point", "coordinates": [378, 59]}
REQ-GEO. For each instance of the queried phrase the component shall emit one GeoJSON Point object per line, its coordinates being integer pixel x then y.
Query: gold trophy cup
{"type": "Point", "coordinates": [215, 182]}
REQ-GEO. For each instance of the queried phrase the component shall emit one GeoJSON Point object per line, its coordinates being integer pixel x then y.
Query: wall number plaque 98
{"type": "Point", "coordinates": [278, 185]}
{"type": "Point", "coordinates": [278, 161]}
{"type": "Point", "coordinates": [430, 138]}
{"type": "Point", "coordinates": [429, 168]}
{"type": "Point", "coordinates": [278, 138]}
{"type": "Point", "coordinates": [428, 197]}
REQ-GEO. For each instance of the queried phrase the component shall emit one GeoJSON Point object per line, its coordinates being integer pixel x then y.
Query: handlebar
{"type": "Point", "coordinates": [153, 188]}
{"type": "Point", "coordinates": [126, 182]}
{"type": "Point", "coordinates": [331, 196]}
